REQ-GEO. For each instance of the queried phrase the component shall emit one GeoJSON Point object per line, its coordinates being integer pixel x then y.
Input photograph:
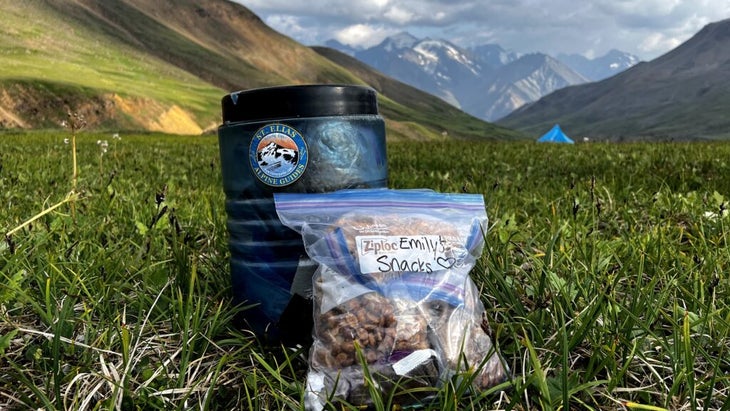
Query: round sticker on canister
{"type": "Point", "coordinates": [278, 155]}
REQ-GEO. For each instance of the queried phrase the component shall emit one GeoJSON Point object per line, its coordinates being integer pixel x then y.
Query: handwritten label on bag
{"type": "Point", "coordinates": [386, 254]}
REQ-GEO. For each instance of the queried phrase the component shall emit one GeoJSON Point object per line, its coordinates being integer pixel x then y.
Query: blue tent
{"type": "Point", "coordinates": [555, 135]}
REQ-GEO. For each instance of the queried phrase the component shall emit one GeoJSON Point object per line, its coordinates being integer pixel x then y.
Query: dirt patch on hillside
{"type": "Point", "coordinates": [177, 121]}
{"type": "Point", "coordinates": [34, 105]}
{"type": "Point", "coordinates": [8, 119]}
{"type": "Point", "coordinates": [29, 105]}
{"type": "Point", "coordinates": [152, 115]}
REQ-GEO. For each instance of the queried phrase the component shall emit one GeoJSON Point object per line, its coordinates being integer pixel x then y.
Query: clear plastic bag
{"type": "Point", "coordinates": [392, 291]}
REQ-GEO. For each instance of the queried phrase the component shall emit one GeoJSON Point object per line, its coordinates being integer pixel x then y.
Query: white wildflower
{"type": "Point", "coordinates": [710, 215]}
{"type": "Point", "coordinates": [104, 145]}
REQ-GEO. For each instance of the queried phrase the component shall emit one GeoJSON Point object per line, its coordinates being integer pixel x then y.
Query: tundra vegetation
{"type": "Point", "coordinates": [604, 275]}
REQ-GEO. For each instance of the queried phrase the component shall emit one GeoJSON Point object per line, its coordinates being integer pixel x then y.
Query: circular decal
{"type": "Point", "coordinates": [278, 155]}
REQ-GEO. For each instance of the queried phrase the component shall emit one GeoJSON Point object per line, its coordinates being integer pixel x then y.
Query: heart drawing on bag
{"type": "Point", "coordinates": [445, 262]}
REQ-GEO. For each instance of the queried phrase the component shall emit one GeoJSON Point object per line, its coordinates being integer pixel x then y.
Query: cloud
{"type": "Point", "coordinates": [643, 27]}
{"type": "Point", "coordinates": [292, 26]}
{"type": "Point", "coordinates": [362, 35]}
{"type": "Point", "coordinates": [399, 15]}
{"type": "Point", "coordinates": [345, 11]}
{"type": "Point", "coordinates": [657, 42]}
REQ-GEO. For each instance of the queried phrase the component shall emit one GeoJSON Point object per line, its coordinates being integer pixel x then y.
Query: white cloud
{"type": "Point", "coordinates": [293, 27]}
{"type": "Point", "coordinates": [639, 8]}
{"type": "Point", "coordinates": [362, 35]}
{"type": "Point", "coordinates": [399, 15]}
{"type": "Point", "coordinates": [644, 27]}
{"type": "Point", "coordinates": [334, 9]}
{"type": "Point", "coordinates": [657, 43]}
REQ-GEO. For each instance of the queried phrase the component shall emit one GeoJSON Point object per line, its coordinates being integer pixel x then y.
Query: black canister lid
{"type": "Point", "coordinates": [314, 100]}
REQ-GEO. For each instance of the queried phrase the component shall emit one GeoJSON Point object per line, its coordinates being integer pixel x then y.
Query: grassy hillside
{"type": "Point", "coordinates": [164, 66]}
{"type": "Point", "coordinates": [46, 58]}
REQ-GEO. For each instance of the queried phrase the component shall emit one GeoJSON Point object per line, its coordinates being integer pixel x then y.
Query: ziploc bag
{"type": "Point", "coordinates": [392, 291]}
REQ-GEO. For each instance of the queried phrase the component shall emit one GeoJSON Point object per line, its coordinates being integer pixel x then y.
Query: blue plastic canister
{"type": "Point", "coordinates": [304, 138]}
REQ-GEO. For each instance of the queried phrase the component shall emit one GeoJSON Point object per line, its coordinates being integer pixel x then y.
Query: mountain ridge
{"type": "Point", "coordinates": [596, 69]}
{"type": "Point", "coordinates": [522, 81]}
{"type": "Point", "coordinates": [485, 81]}
{"type": "Point", "coordinates": [420, 101]}
{"type": "Point", "coordinates": [157, 65]}
{"type": "Point", "coordinates": [682, 94]}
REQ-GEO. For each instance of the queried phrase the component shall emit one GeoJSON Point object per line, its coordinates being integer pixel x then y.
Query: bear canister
{"type": "Point", "coordinates": [299, 138]}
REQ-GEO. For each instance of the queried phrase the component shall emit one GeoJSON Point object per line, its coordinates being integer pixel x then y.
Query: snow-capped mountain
{"type": "Point", "coordinates": [436, 66]}
{"type": "Point", "coordinates": [399, 41]}
{"type": "Point", "coordinates": [486, 81]}
{"type": "Point", "coordinates": [519, 82]}
{"type": "Point", "coordinates": [602, 67]}
{"type": "Point", "coordinates": [494, 55]}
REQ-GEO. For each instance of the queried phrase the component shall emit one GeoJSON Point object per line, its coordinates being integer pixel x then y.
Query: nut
{"type": "Point", "coordinates": [366, 320]}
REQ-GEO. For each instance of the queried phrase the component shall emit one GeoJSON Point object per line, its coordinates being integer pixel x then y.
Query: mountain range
{"type": "Point", "coordinates": [485, 81]}
{"type": "Point", "coordinates": [681, 95]}
{"type": "Point", "coordinates": [602, 67]}
{"type": "Point", "coordinates": [164, 65]}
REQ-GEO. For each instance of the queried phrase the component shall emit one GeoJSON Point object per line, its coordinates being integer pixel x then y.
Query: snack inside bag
{"type": "Point", "coordinates": [393, 300]}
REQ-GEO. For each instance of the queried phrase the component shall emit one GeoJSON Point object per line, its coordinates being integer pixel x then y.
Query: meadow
{"type": "Point", "coordinates": [604, 275]}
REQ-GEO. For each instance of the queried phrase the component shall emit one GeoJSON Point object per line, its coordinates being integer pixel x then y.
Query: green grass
{"type": "Point", "coordinates": [603, 276]}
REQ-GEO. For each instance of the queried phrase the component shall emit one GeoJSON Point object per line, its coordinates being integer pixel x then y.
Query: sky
{"type": "Point", "coordinates": [645, 28]}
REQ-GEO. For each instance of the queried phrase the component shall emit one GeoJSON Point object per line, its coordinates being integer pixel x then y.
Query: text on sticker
{"type": "Point", "coordinates": [384, 254]}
